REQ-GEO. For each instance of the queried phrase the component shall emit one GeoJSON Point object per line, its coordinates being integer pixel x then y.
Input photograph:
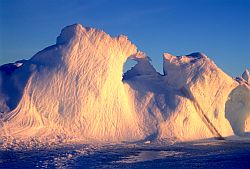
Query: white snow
{"type": "Point", "coordinates": [238, 109]}
{"type": "Point", "coordinates": [76, 90]}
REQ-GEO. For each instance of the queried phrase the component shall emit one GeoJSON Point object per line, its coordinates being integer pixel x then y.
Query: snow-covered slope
{"type": "Point", "coordinates": [207, 88]}
{"type": "Point", "coordinates": [75, 90]}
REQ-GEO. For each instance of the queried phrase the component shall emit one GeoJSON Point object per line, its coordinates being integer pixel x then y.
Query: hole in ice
{"type": "Point", "coordinates": [128, 65]}
{"type": "Point", "coordinates": [237, 110]}
{"type": "Point", "coordinates": [127, 69]}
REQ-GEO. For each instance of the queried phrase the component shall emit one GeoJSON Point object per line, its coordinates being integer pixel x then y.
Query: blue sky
{"type": "Point", "coordinates": [218, 28]}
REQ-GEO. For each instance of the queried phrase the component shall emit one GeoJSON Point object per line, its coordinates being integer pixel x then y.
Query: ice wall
{"type": "Point", "coordinates": [76, 89]}
{"type": "Point", "coordinates": [238, 109]}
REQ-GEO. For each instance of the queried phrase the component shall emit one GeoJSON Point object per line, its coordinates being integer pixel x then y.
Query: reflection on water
{"type": "Point", "coordinates": [148, 156]}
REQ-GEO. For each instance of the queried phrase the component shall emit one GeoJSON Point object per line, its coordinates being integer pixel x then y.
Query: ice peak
{"type": "Point", "coordinates": [184, 59]}
{"type": "Point", "coordinates": [197, 55]}
{"type": "Point", "coordinates": [69, 32]}
{"type": "Point", "coordinates": [246, 75]}
{"type": "Point", "coordinates": [168, 56]}
{"type": "Point", "coordinates": [75, 26]}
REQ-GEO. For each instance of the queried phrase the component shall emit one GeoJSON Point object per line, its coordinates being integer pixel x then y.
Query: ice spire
{"type": "Point", "coordinates": [246, 75]}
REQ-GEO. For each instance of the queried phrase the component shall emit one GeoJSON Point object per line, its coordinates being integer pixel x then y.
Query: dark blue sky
{"type": "Point", "coordinates": [218, 28]}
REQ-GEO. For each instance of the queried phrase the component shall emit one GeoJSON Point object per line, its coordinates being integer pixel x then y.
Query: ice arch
{"type": "Point", "coordinates": [128, 65]}
{"type": "Point", "coordinates": [237, 109]}
{"type": "Point", "coordinates": [142, 66]}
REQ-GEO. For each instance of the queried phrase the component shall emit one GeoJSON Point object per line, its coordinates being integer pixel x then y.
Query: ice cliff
{"type": "Point", "coordinates": [76, 90]}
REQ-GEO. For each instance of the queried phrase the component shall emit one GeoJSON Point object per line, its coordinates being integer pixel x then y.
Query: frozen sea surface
{"type": "Point", "coordinates": [208, 154]}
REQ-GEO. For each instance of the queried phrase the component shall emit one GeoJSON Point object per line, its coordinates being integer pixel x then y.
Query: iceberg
{"type": "Point", "coordinates": [75, 90]}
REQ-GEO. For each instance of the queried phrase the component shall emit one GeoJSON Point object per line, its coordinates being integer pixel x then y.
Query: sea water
{"type": "Point", "coordinates": [202, 154]}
